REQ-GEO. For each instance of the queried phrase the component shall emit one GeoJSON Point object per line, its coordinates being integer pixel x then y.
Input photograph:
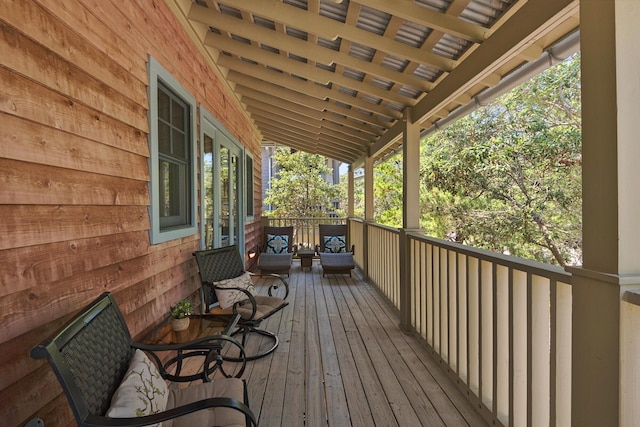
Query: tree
{"type": "Point", "coordinates": [506, 178]}
{"type": "Point", "coordinates": [511, 171]}
{"type": "Point", "coordinates": [299, 188]}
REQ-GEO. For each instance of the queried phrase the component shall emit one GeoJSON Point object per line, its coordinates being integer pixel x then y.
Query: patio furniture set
{"type": "Point", "coordinates": [336, 257]}
{"type": "Point", "coordinates": [111, 380]}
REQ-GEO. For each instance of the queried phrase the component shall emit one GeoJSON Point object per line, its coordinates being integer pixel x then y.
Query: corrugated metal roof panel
{"type": "Point", "coordinates": [360, 51]}
{"type": "Point", "coordinates": [293, 32]}
{"type": "Point", "coordinates": [412, 33]}
{"type": "Point", "coordinates": [353, 74]}
{"type": "Point", "coordinates": [330, 44]}
{"type": "Point", "coordinates": [373, 20]}
{"type": "Point", "coordinates": [395, 63]}
{"type": "Point", "coordinates": [333, 10]}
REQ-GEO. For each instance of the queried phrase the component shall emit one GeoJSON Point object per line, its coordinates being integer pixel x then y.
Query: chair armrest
{"type": "Point", "coordinates": [212, 402]}
{"type": "Point", "coordinates": [274, 287]}
{"type": "Point", "coordinates": [208, 347]}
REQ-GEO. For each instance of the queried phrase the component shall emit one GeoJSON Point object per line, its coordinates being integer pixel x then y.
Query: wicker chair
{"type": "Point", "coordinates": [335, 263]}
{"type": "Point", "coordinates": [216, 265]}
{"type": "Point", "coordinates": [91, 355]}
{"type": "Point", "coordinates": [276, 263]}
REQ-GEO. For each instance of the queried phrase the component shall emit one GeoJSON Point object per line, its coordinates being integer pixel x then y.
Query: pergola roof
{"type": "Point", "coordinates": [337, 77]}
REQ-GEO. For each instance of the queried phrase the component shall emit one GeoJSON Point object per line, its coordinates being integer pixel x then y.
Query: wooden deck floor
{"type": "Point", "coordinates": [343, 361]}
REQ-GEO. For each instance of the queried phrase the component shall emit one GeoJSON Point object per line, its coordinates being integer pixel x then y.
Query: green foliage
{"type": "Point", "coordinates": [299, 190]}
{"type": "Point", "coordinates": [506, 178]}
{"type": "Point", "coordinates": [182, 309]}
{"type": "Point", "coordinates": [511, 171]}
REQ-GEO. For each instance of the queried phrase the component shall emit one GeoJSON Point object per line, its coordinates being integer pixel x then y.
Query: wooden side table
{"type": "Point", "coordinates": [306, 257]}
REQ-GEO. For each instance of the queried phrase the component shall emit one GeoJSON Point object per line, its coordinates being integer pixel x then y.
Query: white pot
{"type": "Point", "coordinates": [180, 324]}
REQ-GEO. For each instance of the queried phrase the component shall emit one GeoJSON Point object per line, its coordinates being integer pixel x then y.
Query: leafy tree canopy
{"type": "Point", "coordinates": [506, 178]}
{"type": "Point", "coordinates": [299, 188]}
{"type": "Point", "coordinates": [511, 172]}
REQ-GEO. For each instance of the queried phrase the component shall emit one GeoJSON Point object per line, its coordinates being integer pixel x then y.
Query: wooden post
{"type": "Point", "coordinates": [410, 212]}
{"type": "Point", "coordinates": [611, 207]}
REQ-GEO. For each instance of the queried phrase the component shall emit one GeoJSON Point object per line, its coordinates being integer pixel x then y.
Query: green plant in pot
{"type": "Point", "coordinates": [180, 315]}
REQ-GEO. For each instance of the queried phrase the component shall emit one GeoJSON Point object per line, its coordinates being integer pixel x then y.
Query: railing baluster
{"type": "Point", "coordinates": [501, 324]}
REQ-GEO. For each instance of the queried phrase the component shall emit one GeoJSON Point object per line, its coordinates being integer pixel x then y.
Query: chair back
{"type": "Point", "coordinates": [277, 231]}
{"type": "Point", "coordinates": [325, 230]}
{"type": "Point", "coordinates": [216, 265]}
{"type": "Point", "coordinates": [90, 355]}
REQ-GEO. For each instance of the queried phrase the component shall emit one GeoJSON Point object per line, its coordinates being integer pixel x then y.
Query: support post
{"type": "Point", "coordinates": [369, 214]}
{"type": "Point", "coordinates": [410, 211]}
{"type": "Point", "coordinates": [611, 208]}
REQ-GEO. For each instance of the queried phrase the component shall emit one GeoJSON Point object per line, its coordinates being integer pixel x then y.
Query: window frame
{"type": "Point", "coordinates": [157, 73]}
{"type": "Point", "coordinates": [249, 184]}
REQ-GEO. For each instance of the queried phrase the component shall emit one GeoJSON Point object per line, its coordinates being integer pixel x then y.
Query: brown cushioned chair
{"type": "Point", "coordinates": [276, 251]}
{"type": "Point", "coordinates": [217, 265]}
{"type": "Point", "coordinates": [92, 353]}
{"type": "Point", "coordinates": [336, 257]}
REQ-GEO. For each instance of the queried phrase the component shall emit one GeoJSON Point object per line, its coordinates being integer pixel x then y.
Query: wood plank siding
{"type": "Point", "coordinates": [74, 177]}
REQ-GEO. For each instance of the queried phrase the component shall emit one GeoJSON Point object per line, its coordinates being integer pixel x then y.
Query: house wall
{"type": "Point", "coordinates": [74, 175]}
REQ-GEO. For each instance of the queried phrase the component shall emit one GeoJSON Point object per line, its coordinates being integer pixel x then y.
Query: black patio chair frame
{"type": "Point", "coordinates": [219, 264]}
{"type": "Point", "coordinates": [90, 355]}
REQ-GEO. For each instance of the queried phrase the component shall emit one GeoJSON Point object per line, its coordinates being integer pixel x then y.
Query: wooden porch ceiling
{"type": "Point", "coordinates": [336, 77]}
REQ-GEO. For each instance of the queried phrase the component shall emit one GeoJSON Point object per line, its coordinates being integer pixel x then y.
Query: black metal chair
{"type": "Point", "coordinates": [277, 250]}
{"type": "Point", "coordinates": [221, 264]}
{"type": "Point", "coordinates": [91, 355]}
{"type": "Point", "coordinates": [336, 257]}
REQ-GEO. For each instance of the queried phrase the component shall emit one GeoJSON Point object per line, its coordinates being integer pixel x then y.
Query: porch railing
{"type": "Point", "coordinates": [500, 325]}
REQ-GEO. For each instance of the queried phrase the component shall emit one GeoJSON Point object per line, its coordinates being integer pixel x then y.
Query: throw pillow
{"type": "Point", "coordinates": [335, 244]}
{"type": "Point", "coordinates": [228, 297]}
{"type": "Point", "coordinates": [277, 244]}
{"type": "Point", "coordinates": [142, 390]}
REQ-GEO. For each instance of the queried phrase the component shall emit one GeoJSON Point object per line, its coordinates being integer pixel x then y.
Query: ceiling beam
{"type": "Point", "coordinates": [305, 49]}
{"type": "Point", "coordinates": [296, 98]}
{"type": "Point", "coordinates": [513, 37]}
{"type": "Point", "coordinates": [302, 69]}
{"type": "Point", "coordinates": [410, 11]}
{"type": "Point", "coordinates": [241, 70]}
{"type": "Point", "coordinates": [330, 29]}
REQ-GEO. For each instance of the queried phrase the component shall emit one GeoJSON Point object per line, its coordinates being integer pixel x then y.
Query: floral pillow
{"type": "Point", "coordinates": [227, 298]}
{"type": "Point", "coordinates": [335, 244]}
{"type": "Point", "coordinates": [142, 390]}
{"type": "Point", "coordinates": [277, 244]}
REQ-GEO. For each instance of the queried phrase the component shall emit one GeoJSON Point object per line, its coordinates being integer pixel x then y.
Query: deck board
{"type": "Point", "coordinates": [343, 361]}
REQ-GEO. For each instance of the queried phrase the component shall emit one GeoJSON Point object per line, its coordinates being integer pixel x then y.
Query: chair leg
{"type": "Point", "coordinates": [246, 330]}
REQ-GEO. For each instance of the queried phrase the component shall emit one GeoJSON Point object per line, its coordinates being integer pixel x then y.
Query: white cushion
{"type": "Point", "coordinates": [335, 244]}
{"type": "Point", "coordinates": [142, 390]}
{"type": "Point", "coordinates": [227, 298]}
{"type": "Point", "coordinates": [277, 244]}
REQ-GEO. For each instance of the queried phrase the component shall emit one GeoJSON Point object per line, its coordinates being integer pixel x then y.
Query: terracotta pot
{"type": "Point", "coordinates": [180, 324]}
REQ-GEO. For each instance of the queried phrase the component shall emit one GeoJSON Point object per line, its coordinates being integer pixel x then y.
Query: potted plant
{"type": "Point", "coordinates": [180, 313]}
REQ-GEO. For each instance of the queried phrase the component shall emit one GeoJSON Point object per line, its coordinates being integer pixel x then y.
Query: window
{"type": "Point", "coordinates": [173, 155]}
{"type": "Point", "coordinates": [248, 167]}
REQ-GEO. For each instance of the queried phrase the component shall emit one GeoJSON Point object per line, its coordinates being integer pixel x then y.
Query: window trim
{"type": "Point", "coordinates": [157, 73]}
{"type": "Point", "coordinates": [249, 185]}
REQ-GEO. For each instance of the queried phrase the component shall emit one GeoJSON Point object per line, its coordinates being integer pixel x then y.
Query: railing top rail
{"type": "Point", "coordinates": [384, 227]}
{"type": "Point", "coordinates": [541, 269]}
